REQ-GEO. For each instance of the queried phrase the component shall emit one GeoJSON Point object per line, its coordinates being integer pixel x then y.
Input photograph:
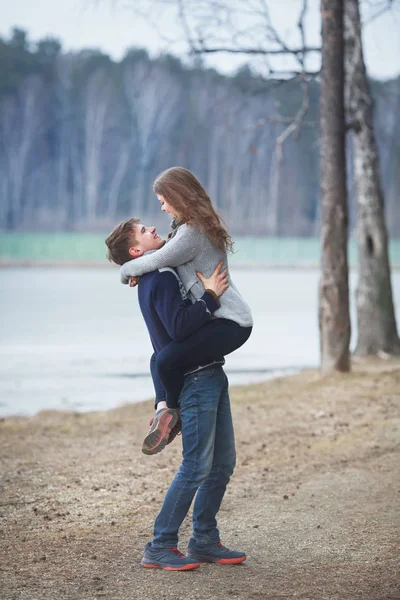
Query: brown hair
{"type": "Point", "coordinates": [120, 240]}
{"type": "Point", "coordinates": [184, 192]}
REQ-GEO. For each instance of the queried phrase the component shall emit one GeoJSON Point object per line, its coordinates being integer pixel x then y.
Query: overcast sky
{"type": "Point", "coordinates": [100, 24]}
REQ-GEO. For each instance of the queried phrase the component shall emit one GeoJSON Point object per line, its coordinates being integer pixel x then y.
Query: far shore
{"type": "Point", "coordinates": [97, 264]}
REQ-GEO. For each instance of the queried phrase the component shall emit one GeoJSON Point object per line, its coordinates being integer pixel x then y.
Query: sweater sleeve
{"type": "Point", "coordinates": [179, 316]}
{"type": "Point", "coordinates": [182, 248]}
{"type": "Point", "coordinates": [158, 386]}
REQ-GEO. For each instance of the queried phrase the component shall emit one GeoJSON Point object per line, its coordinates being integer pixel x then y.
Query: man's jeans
{"type": "Point", "coordinates": [208, 459]}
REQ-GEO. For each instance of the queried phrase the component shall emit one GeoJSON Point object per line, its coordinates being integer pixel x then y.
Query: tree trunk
{"type": "Point", "coordinates": [376, 320]}
{"type": "Point", "coordinates": [334, 317]}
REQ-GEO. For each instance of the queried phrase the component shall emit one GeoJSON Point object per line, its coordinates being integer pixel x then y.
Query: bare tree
{"type": "Point", "coordinates": [334, 317]}
{"type": "Point", "coordinates": [63, 72]}
{"type": "Point", "coordinates": [219, 26]}
{"type": "Point", "coordinates": [97, 101]}
{"type": "Point", "coordinates": [20, 122]}
{"type": "Point", "coordinates": [153, 99]}
{"type": "Point", "coordinates": [377, 331]}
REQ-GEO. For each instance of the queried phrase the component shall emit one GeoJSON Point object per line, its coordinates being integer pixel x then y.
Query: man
{"type": "Point", "coordinates": [207, 429]}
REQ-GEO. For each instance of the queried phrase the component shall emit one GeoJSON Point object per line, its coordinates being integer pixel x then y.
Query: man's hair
{"type": "Point", "coordinates": [120, 240]}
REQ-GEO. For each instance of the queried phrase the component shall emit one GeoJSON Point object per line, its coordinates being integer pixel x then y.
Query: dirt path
{"type": "Point", "coordinates": [315, 499]}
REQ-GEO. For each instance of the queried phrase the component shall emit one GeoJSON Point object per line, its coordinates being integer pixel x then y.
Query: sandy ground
{"type": "Point", "coordinates": [315, 499]}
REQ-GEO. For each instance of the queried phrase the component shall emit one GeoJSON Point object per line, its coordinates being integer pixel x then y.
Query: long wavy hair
{"type": "Point", "coordinates": [184, 192]}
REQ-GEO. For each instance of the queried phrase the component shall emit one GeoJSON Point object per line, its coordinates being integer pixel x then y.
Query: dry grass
{"type": "Point", "coordinates": [314, 500]}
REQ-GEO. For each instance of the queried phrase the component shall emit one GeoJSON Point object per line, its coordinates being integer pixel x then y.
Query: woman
{"type": "Point", "coordinates": [197, 243]}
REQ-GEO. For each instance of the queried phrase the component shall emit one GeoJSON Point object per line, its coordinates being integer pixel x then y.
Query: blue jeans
{"type": "Point", "coordinates": [208, 460]}
{"type": "Point", "coordinates": [211, 342]}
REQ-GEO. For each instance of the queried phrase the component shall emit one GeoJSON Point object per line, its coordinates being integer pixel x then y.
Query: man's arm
{"type": "Point", "coordinates": [179, 316]}
{"type": "Point", "coordinates": [158, 386]}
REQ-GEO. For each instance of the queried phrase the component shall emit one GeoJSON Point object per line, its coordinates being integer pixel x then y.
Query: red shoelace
{"type": "Point", "coordinates": [176, 551]}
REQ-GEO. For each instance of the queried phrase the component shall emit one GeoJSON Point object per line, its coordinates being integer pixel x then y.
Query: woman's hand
{"type": "Point", "coordinates": [218, 282]}
{"type": "Point", "coordinates": [133, 281]}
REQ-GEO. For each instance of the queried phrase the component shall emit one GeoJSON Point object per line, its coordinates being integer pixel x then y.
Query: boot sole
{"type": "Point", "coordinates": [156, 440]}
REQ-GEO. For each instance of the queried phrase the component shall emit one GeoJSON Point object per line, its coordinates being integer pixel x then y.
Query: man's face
{"type": "Point", "coordinates": [147, 239]}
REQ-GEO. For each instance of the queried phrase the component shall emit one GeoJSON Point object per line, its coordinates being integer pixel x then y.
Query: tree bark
{"type": "Point", "coordinates": [334, 317]}
{"type": "Point", "coordinates": [377, 331]}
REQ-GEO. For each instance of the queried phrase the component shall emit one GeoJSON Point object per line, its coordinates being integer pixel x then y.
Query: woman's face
{"type": "Point", "coordinates": [165, 207]}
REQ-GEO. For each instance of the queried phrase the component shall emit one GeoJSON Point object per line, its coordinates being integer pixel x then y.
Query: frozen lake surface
{"type": "Point", "coordinates": [74, 339]}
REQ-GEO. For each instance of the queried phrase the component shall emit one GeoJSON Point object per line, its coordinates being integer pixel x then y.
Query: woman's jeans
{"type": "Point", "coordinates": [208, 460]}
{"type": "Point", "coordinates": [209, 343]}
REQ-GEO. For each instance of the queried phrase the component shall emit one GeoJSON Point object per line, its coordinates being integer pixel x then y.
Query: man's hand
{"type": "Point", "coordinates": [218, 282]}
{"type": "Point", "coordinates": [133, 281]}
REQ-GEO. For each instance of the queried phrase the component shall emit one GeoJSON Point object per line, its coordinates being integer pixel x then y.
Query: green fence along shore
{"type": "Point", "coordinates": [89, 249]}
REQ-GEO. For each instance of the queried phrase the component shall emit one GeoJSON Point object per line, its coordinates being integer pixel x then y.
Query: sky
{"type": "Point", "coordinates": [115, 25]}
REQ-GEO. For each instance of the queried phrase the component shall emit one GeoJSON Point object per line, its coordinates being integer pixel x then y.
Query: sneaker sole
{"type": "Point", "coordinates": [231, 561]}
{"type": "Point", "coordinates": [184, 568]}
{"type": "Point", "coordinates": [223, 561]}
{"type": "Point", "coordinates": [156, 441]}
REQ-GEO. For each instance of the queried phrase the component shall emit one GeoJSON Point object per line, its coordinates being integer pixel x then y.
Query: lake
{"type": "Point", "coordinates": [74, 339]}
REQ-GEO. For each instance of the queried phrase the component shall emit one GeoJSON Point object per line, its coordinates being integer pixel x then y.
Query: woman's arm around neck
{"type": "Point", "coordinates": [180, 249]}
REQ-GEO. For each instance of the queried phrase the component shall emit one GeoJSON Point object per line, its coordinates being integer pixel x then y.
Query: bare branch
{"type": "Point", "coordinates": [288, 75]}
{"type": "Point", "coordinates": [221, 16]}
{"type": "Point", "coordinates": [387, 5]}
{"type": "Point", "coordinates": [294, 127]}
{"type": "Point", "coordinates": [185, 25]}
{"type": "Point", "coordinates": [300, 25]}
{"type": "Point", "coordinates": [281, 121]}
{"type": "Point", "coordinates": [271, 30]}
{"type": "Point", "coordinates": [257, 51]}
{"type": "Point", "coordinates": [242, 28]}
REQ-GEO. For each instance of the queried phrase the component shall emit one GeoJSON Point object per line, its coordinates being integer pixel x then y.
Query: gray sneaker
{"type": "Point", "coordinates": [169, 559]}
{"type": "Point", "coordinates": [214, 553]}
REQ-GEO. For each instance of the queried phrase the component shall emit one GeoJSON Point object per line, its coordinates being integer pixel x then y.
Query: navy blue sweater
{"type": "Point", "coordinates": [168, 313]}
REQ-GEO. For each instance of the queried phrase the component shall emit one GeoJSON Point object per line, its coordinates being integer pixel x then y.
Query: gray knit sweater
{"type": "Point", "coordinates": [190, 251]}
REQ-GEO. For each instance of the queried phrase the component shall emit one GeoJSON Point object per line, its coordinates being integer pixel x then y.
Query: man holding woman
{"type": "Point", "coordinates": [190, 337]}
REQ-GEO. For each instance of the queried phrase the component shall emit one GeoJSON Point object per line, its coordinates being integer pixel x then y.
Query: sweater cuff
{"type": "Point", "coordinates": [211, 299]}
{"type": "Point", "coordinates": [124, 278]}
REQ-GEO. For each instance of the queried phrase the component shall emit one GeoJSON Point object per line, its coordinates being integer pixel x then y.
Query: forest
{"type": "Point", "coordinates": [82, 138]}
